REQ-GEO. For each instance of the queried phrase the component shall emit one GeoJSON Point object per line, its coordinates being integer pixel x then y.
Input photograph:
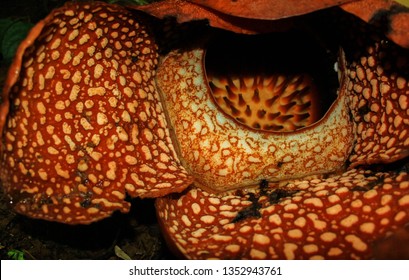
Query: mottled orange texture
{"type": "Point", "coordinates": [91, 114]}
{"type": "Point", "coordinates": [379, 94]}
{"type": "Point", "coordinates": [351, 215]}
{"type": "Point", "coordinates": [223, 154]}
{"type": "Point", "coordinates": [336, 218]}
{"type": "Point", "coordinates": [85, 125]}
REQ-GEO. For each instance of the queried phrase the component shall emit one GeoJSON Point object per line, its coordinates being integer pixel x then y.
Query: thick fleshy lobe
{"type": "Point", "coordinates": [378, 85]}
{"type": "Point", "coordinates": [222, 154]}
{"type": "Point", "coordinates": [336, 218]}
{"type": "Point", "coordinates": [85, 125]}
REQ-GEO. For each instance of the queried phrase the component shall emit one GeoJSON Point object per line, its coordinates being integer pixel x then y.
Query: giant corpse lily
{"type": "Point", "coordinates": [264, 129]}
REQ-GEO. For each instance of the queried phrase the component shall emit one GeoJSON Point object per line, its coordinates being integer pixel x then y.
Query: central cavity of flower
{"type": "Point", "coordinates": [273, 83]}
{"type": "Point", "coordinates": [249, 108]}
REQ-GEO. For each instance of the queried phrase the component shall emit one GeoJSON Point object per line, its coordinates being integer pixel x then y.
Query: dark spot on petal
{"type": "Point", "coordinates": [382, 19]}
{"type": "Point", "coordinates": [45, 200]}
{"type": "Point", "coordinates": [362, 111]}
{"type": "Point", "coordinates": [276, 195]}
{"type": "Point", "coordinates": [252, 211]}
{"type": "Point", "coordinates": [380, 180]}
{"type": "Point", "coordinates": [360, 189]}
{"type": "Point", "coordinates": [85, 203]}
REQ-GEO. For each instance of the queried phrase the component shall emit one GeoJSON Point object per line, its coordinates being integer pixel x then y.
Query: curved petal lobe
{"type": "Point", "coordinates": [341, 217]}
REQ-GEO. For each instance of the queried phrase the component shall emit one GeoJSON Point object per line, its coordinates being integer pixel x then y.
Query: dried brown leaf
{"type": "Point", "coordinates": [389, 16]}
